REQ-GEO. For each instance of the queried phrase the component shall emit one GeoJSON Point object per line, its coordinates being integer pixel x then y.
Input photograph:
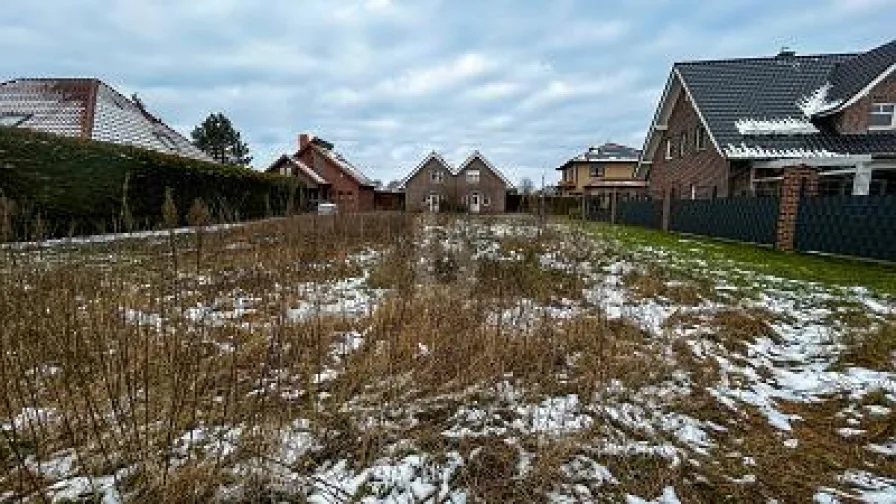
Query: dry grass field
{"type": "Point", "coordinates": [396, 358]}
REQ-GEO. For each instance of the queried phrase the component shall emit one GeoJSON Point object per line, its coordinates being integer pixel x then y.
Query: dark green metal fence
{"type": "Point", "coordinates": [642, 212]}
{"type": "Point", "coordinates": [863, 226]}
{"type": "Point", "coordinates": [751, 220]}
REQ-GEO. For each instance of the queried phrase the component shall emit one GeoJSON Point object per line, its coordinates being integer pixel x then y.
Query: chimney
{"type": "Point", "coordinates": [304, 139]}
{"type": "Point", "coordinates": [786, 52]}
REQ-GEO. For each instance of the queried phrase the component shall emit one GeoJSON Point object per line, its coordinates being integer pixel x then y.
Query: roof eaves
{"type": "Point", "coordinates": [477, 154]}
{"type": "Point", "coordinates": [432, 155]}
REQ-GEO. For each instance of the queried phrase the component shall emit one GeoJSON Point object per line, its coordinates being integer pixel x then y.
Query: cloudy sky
{"type": "Point", "coordinates": [528, 83]}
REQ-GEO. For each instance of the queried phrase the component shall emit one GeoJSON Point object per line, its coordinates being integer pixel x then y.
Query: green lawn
{"type": "Point", "coordinates": [879, 278]}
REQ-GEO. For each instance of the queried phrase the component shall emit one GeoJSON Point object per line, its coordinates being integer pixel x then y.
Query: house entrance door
{"type": "Point", "coordinates": [474, 202]}
{"type": "Point", "coordinates": [433, 202]}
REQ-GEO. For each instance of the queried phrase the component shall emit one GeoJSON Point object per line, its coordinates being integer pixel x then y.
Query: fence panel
{"type": "Point", "coordinates": [863, 226]}
{"type": "Point", "coordinates": [598, 207]}
{"type": "Point", "coordinates": [752, 220]}
{"type": "Point", "coordinates": [643, 212]}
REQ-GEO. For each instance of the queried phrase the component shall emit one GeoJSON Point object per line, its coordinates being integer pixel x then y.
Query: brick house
{"type": "Point", "coordinates": [332, 177]}
{"type": "Point", "coordinates": [89, 109]}
{"type": "Point", "coordinates": [476, 186]}
{"type": "Point", "coordinates": [605, 169]}
{"type": "Point", "coordinates": [729, 127]}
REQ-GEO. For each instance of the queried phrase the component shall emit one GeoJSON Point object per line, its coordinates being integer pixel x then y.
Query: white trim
{"type": "Point", "coordinates": [684, 85]}
{"type": "Point", "coordinates": [649, 152]}
{"type": "Point", "coordinates": [892, 125]}
{"type": "Point", "coordinates": [432, 155]}
{"type": "Point", "coordinates": [813, 162]}
{"type": "Point", "coordinates": [646, 151]}
{"type": "Point", "coordinates": [864, 91]}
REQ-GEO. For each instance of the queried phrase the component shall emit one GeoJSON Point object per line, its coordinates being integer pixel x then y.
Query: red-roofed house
{"type": "Point", "coordinates": [328, 174]}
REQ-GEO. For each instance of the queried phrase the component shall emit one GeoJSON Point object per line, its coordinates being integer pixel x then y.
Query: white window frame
{"type": "Point", "coordinates": [892, 116]}
{"type": "Point", "coordinates": [668, 149]}
{"type": "Point", "coordinates": [472, 176]}
{"type": "Point", "coordinates": [437, 176]}
{"type": "Point", "coordinates": [486, 201]}
{"type": "Point", "coordinates": [682, 144]}
{"type": "Point", "coordinates": [700, 138]}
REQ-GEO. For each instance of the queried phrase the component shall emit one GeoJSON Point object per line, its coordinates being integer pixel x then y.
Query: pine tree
{"type": "Point", "coordinates": [217, 137]}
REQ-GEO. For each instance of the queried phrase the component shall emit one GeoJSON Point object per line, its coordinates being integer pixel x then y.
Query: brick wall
{"type": "Point", "coordinates": [344, 190]}
{"type": "Point", "coordinates": [419, 186]}
{"type": "Point", "coordinates": [704, 169]}
{"type": "Point", "coordinates": [855, 118]}
{"type": "Point", "coordinates": [798, 181]}
{"type": "Point", "coordinates": [490, 185]}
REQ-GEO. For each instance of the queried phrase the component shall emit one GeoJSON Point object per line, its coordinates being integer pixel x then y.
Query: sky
{"type": "Point", "coordinates": [528, 83]}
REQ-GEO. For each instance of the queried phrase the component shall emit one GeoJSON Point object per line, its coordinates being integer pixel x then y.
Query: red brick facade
{"type": "Point", "coordinates": [348, 194]}
{"type": "Point", "coordinates": [855, 118]}
{"type": "Point", "coordinates": [798, 181]}
{"type": "Point", "coordinates": [702, 172]}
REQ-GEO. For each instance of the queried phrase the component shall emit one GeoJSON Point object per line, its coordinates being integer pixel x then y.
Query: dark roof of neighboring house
{"type": "Point", "coordinates": [89, 108]}
{"type": "Point", "coordinates": [853, 75]}
{"type": "Point", "coordinates": [760, 89]}
{"type": "Point", "coordinates": [778, 107]}
{"type": "Point", "coordinates": [606, 153]}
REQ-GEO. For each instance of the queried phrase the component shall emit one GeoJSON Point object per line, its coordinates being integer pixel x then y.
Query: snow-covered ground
{"type": "Point", "coordinates": [668, 377]}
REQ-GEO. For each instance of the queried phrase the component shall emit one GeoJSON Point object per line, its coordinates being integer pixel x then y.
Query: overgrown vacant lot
{"type": "Point", "coordinates": [388, 358]}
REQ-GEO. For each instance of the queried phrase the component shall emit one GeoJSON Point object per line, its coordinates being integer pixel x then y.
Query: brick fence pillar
{"type": "Point", "coordinates": [798, 181]}
{"type": "Point", "coordinates": [667, 210]}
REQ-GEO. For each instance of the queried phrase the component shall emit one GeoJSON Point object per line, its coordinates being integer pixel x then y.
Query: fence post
{"type": "Point", "coordinates": [667, 209]}
{"type": "Point", "coordinates": [614, 202]}
{"type": "Point", "coordinates": [798, 181]}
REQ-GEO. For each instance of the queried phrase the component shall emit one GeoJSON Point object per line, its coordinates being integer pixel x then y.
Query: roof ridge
{"type": "Point", "coordinates": [767, 58]}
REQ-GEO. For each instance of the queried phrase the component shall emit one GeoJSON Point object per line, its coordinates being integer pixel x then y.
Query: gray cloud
{"type": "Point", "coordinates": [528, 84]}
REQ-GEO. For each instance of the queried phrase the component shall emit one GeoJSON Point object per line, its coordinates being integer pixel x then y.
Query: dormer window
{"type": "Point", "coordinates": [883, 116]}
{"type": "Point", "coordinates": [437, 176]}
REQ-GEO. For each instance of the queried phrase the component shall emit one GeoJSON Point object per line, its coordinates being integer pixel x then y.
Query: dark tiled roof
{"type": "Point", "coordinates": [762, 89]}
{"type": "Point", "coordinates": [606, 153]}
{"type": "Point", "coordinates": [852, 76]}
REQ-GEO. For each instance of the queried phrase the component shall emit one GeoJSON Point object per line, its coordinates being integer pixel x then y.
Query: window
{"type": "Point", "coordinates": [13, 119]}
{"type": "Point", "coordinates": [486, 201]}
{"type": "Point", "coordinates": [700, 138]}
{"type": "Point", "coordinates": [683, 145]}
{"type": "Point", "coordinates": [597, 171]}
{"type": "Point", "coordinates": [883, 116]}
{"type": "Point", "coordinates": [437, 176]}
{"type": "Point", "coordinates": [473, 176]}
{"type": "Point", "coordinates": [668, 148]}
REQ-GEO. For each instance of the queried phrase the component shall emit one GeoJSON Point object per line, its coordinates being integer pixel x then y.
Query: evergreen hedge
{"type": "Point", "coordinates": [79, 186]}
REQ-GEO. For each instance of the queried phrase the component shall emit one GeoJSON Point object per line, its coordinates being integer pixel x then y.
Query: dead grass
{"type": "Point", "coordinates": [179, 363]}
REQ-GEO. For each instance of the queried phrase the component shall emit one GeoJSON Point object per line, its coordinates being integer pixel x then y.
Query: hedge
{"type": "Point", "coordinates": [79, 186]}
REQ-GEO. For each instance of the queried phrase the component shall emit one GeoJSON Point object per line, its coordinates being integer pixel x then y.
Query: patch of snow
{"type": "Point", "coordinates": [782, 126]}
{"type": "Point", "coordinates": [817, 102]}
{"type": "Point", "coordinates": [668, 497]}
{"type": "Point", "coordinates": [744, 151]}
